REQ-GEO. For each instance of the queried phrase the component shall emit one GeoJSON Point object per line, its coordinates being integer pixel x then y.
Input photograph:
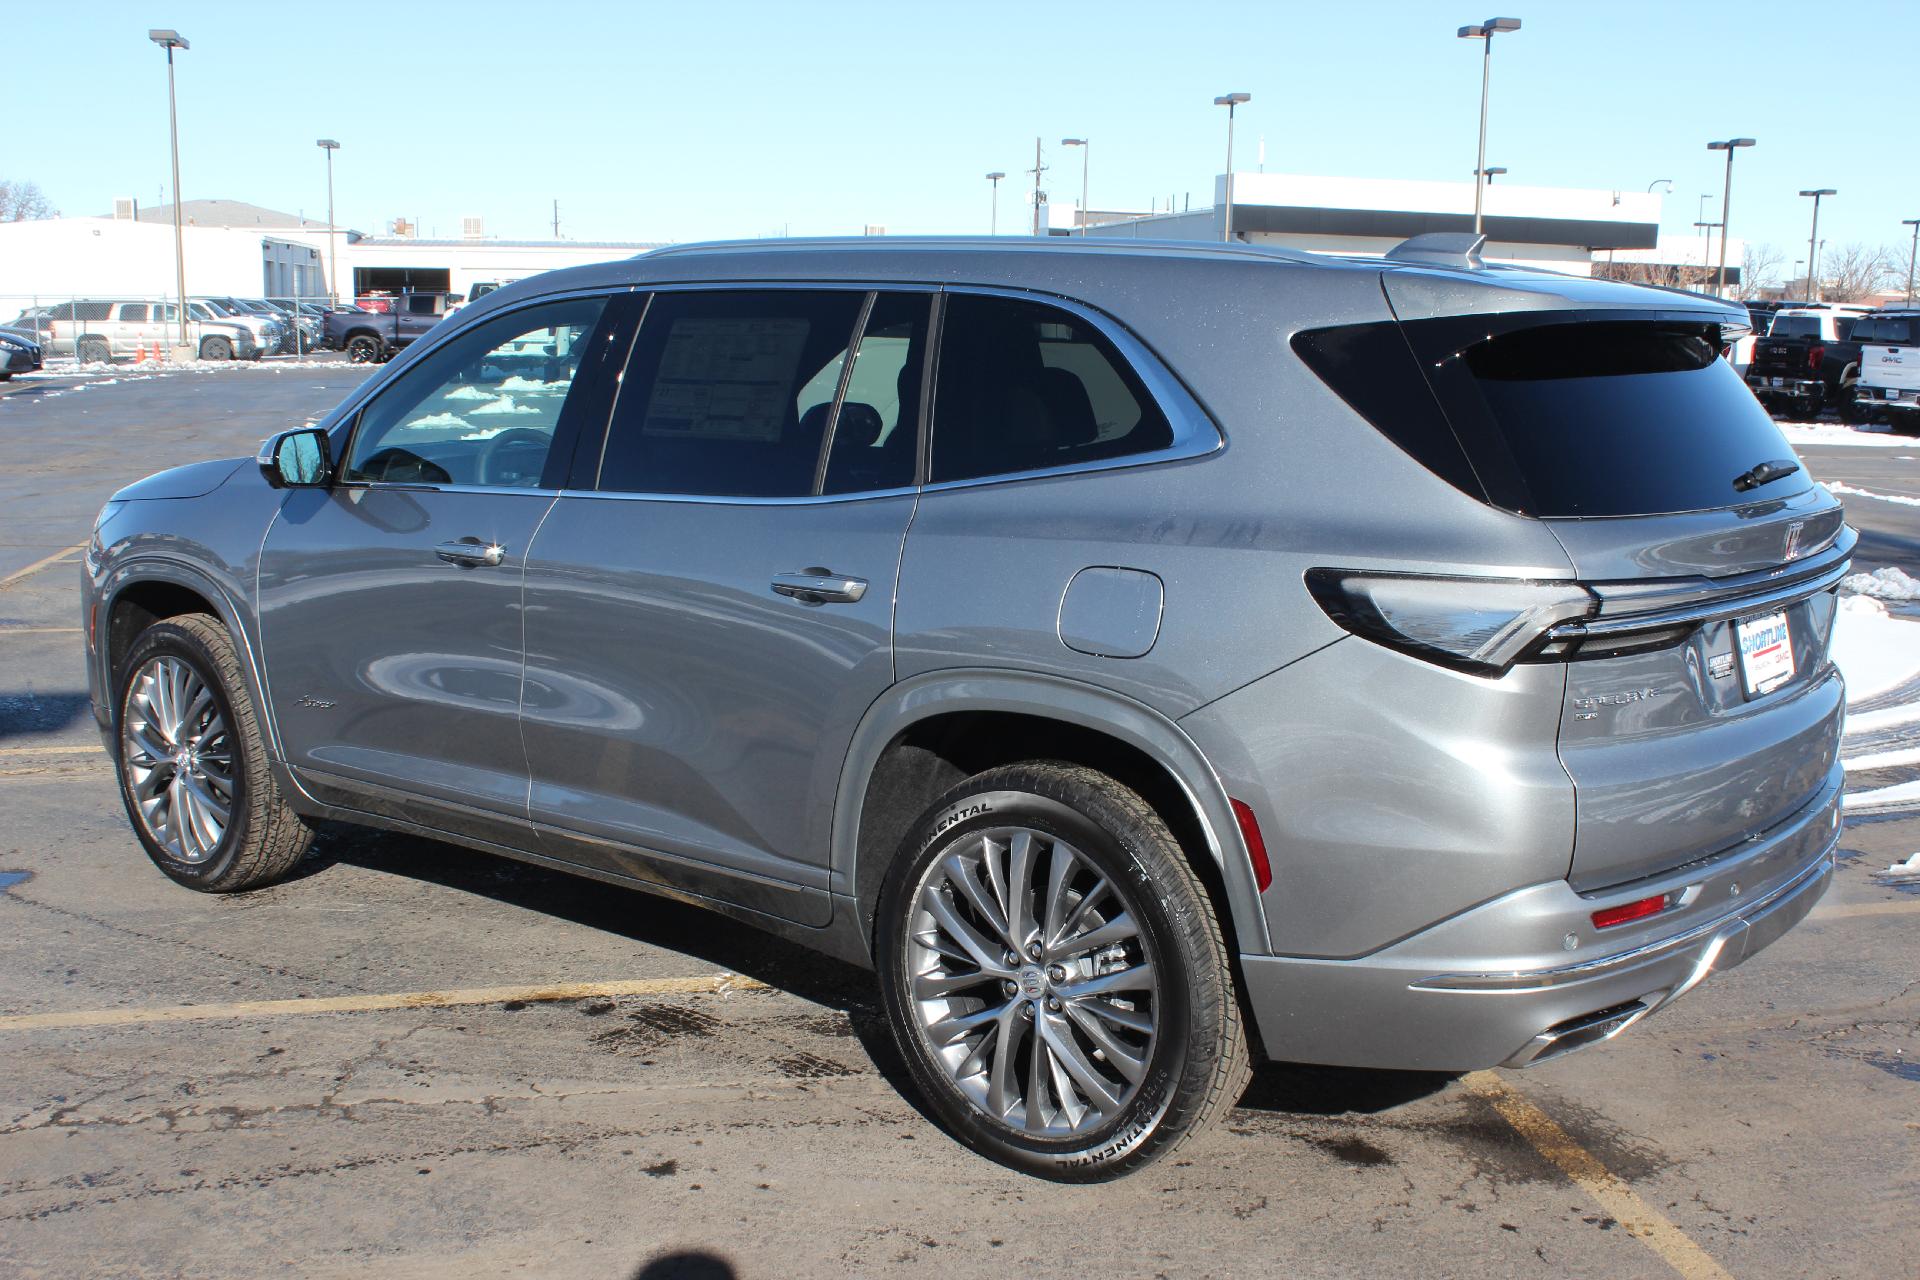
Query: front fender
{"type": "Point", "coordinates": [1088, 706]}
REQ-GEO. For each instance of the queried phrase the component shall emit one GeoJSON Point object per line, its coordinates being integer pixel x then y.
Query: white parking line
{"type": "Point", "coordinates": [716, 984]}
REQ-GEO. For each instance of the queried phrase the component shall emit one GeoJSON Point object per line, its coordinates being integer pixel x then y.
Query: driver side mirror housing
{"type": "Point", "coordinates": [299, 459]}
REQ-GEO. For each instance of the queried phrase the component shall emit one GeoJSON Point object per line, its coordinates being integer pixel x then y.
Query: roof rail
{"type": "Point", "coordinates": [1441, 249]}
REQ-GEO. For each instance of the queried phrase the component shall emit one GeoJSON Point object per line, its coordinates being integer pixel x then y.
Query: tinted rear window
{"type": "Point", "coordinates": [1795, 327]}
{"type": "Point", "coordinates": [1601, 417]}
{"type": "Point", "coordinates": [1890, 331]}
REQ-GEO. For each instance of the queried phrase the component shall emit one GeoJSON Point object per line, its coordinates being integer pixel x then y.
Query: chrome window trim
{"type": "Point", "coordinates": [1195, 433]}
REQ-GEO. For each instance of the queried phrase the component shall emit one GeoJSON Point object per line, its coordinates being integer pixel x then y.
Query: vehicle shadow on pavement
{"type": "Point", "coordinates": [686, 1264]}
{"type": "Point", "coordinates": [23, 713]}
{"type": "Point", "coordinates": [1298, 1089]}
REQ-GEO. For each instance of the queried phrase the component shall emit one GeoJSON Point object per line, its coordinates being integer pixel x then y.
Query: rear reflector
{"type": "Point", "coordinates": [1629, 912]}
{"type": "Point", "coordinates": [1256, 847]}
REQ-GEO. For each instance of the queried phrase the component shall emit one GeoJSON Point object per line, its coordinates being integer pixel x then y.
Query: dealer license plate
{"type": "Point", "coordinates": [1766, 652]}
{"type": "Point", "coordinates": [1777, 381]}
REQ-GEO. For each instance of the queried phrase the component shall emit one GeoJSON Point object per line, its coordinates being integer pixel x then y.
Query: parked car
{"type": "Point", "coordinates": [1807, 362]}
{"type": "Point", "coordinates": [100, 330]}
{"type": "Point", "coordinates": [377, 336]}
{"type": "Point", "coordinates": [304, 322]}
{"type": "Point", "coordinates": [20, 352]}
{"type": "Point", "coordinates": [1889, 386]}
{"type": "Point", "coordinates": [269, 327]}
{"type": "Point", "coordinates": [1431, 664]}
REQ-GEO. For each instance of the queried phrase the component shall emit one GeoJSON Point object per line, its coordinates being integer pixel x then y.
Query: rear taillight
{"type": "Point", "coordinates": [1814, 356]}
{"type": "Point", "coordinates": [1477, 625]}
{"type": "Point", "coordinates": [1628, 912]}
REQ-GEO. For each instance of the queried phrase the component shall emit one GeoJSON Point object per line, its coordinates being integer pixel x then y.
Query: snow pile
{"type": "Point", "coordinates": [1874, 436]}
{"type": "Point", "coordinates": [1904, 871]}
{"type": "Point", "coordinates": [1889, 583]}
{"type": "Point", "coordinates": [1835, 486]}
{"type": "Point", "coordinates": [1873, 649]}
{"type": "Point", "coordinates": [467, 391]}
{"type": "Point", "coordinates": [518, 383]}
{"type": "Point", "coordinates": [504, 404]}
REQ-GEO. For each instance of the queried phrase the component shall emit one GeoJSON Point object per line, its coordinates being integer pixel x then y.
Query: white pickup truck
{"type": "Point", "coordinates": [1889, 386]}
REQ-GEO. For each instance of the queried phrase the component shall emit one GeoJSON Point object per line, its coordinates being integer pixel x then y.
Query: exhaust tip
{"type": "Point", "coordinates": [1563, 1038]}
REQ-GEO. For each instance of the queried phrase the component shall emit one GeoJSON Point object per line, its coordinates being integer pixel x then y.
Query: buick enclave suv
{"type": "Point", "coordinates": [1148, 658]}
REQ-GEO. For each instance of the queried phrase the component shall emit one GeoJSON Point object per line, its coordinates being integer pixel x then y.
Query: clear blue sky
{"type": "Point", "coordinates": [691, 121]}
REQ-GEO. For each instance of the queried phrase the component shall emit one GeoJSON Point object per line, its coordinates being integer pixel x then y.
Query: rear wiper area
{"type": "Point", "coordinates": [1765, 473]}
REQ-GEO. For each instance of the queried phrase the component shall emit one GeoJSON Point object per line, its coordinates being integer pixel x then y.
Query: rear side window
{"type": "Point", "coordinates": [1024, 386]}
{"type": "Point", "coordinates": [729, 394]}
{"type": "Point", "coordinates": [91, 310]}
{"type": "Point", "coordinates": [1597, 417]}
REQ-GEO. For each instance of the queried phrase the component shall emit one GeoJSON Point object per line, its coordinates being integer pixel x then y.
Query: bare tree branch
{"type": "Point", "coordinates": [1856, 273]}
{"type": "Point", "coordinates": [24, 202]}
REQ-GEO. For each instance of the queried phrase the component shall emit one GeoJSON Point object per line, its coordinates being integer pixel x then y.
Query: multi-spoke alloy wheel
{"type": "Point", "coordinates": [177, 753]}
{"type": "Point", "coordinates": [1054, 973]}
{"type": "Point", "coordinates": [193, 767]}
{"type": "Point", "coordinates": [1032, 982]}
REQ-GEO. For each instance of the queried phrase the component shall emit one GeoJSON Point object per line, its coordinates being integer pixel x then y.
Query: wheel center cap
{"type": "Point", "coordinates": [1033, 983]}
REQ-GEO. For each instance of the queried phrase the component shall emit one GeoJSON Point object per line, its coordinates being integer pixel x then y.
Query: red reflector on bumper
{"type": "Point", "coordinates": [1256, 847]}
{"type": "Point", "coordinates": [1630, 911]}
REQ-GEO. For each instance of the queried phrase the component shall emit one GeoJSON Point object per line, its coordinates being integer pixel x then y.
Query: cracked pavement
{"type": "Point", "coordinates": [1773, 1116]}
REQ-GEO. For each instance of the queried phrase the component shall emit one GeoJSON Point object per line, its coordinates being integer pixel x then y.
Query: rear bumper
{"type": "Point", "coordinates": [1500, 984]}
{"type": "Point", "coordinates": [1791, 387]}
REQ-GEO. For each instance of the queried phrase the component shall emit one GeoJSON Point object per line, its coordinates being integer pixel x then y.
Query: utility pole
{"type": "Point", "coordinates": [556, 219]}
{"type": "Point", "coordinates": [1912, 253]}
{"type": "Point", "coordinates": [1039, 196]}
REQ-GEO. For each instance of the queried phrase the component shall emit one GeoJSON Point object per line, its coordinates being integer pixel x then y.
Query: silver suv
{"type": "Point", "coordinates": [1149, 658]}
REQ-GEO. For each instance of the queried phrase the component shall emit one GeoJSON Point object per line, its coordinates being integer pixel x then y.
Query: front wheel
{"type": "Point", "coordinates": [95, 351]}
{"type": "Point", "coordinates": [1055, 976]}
{"type": "Point", "coordinates": [193, 765]}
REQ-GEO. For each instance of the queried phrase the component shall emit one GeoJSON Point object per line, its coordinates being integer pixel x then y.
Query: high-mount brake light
{"type": "Point", "coordinates": [1628, 912]}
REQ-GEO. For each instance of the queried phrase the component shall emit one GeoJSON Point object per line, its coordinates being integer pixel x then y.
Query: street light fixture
{"type": "Point", "coordinates": [1657, 181]}
{"type": "Point", "coordinates": [1813, 238]}
{"type": "Point", "coordinates": [333, 245]}
{"type": "Point", "coordinates": [169, 39]}
{"type": "Point", "coordinates": [1484, 31]}
{"type": "Point", "coordinates": [1230, 101]}
{"type": "Point", "coordinates": [1730, 146]}
{"type": "Point", "coordinates": [1489, 173]}
{"type": "Point", "coordinates": [994, 178]}
{"type": "Point", "coordinates": [1911, 253]}
{"type": "Point", "coordinates": [1086, 150]}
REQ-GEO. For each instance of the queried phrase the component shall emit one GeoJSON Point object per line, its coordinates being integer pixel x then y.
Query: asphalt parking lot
{"type": "Point", "coordinates": [416, 1060]}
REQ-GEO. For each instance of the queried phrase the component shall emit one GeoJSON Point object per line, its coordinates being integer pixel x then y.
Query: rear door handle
{"type": "Point", "coordinates": [471, 552]}
{"type": "Point", "coordinates": [819, 586]}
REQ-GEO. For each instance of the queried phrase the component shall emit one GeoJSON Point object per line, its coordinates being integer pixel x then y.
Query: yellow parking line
{"type": "Point", "coordinates": [39, 631]}
{"type": "Point", "coordinates": [68, 750]}
{"type": "Point", "coordinates": [38, 565]}
{"type": "Point", "coordinates": [1843, 912]}
{"type": "Point", "coordinates": [718, 983]}
{"type": "Point", "coordinates": [1641, 1220]}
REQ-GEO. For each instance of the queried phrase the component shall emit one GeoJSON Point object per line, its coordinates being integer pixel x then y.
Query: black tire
{"type": "Point", "coordinates": [216, 349]}
{"type": "Point", "coordinates": [1196, 1064]}
{"type": "Point", "coordinates": [264, 838]}
{"type": "Point", "coordinates": [364, 348]}
{"type": "Point", "coordinates": [95, 351]}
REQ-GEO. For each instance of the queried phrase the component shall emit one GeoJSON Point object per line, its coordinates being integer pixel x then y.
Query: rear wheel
{"type": "Point", "coordinates": [1055, 976]}
{"type": "Point", "coordinates": [95, 351]}
{"type": "Point", "coordinates": [363, 349]}
{"type": "Point", "coordinates": [193, 766]}
{"type": "Point", "coordinates": [216, 349]}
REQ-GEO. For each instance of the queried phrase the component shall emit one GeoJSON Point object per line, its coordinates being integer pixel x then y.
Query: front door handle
{"type": "Point", "coordinates": [471, 552]}
{"type": "Point", "coordinates": [819, 586]}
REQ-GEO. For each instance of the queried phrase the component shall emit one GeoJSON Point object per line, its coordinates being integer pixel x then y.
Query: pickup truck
{"type": "Point", "coordinates": [375, 337]}
{"type": "Point", "coordinates": [1889, 387]}
{"type": "Point", "coordinates": [1807, 361]}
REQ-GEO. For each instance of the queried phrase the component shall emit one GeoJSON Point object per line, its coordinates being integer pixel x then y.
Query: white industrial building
{"type": "Point", "coordinates": [1559, 228]}
{"type": "Point", "coordinates": [234, 248]}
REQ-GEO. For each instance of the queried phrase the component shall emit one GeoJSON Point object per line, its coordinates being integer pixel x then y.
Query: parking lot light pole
{"type": "Point", "coordinates": [170, 40]}
{"type": "Point", "coordinates": [333, 246]}
{"type": "Point", "coordinates": [1484, 32]}
{"type": "Point", "coordinates": [1912, 253]}
{"type": "Point", "coordinates": [1813, 237]}
{"type": "Point", "coordinates": [1730, 146]}
{"type": "Point", "coordinates": [1488, 173]}
{"type": "Point", "coordinates": [993, 227]}
{"type": "Point", "coordinates": [1086, 150]}
{"type": "Point", "coordinates": [1230, 101]}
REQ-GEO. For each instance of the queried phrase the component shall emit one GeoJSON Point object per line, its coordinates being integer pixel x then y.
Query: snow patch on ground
{"type": "Point", "coordinates": [504, 404]}
{"type": "Point", "coordinates": [1899, 795]}
{"type": "Point", "coordinates": [439, 420]}
{"type": "Point", "coordinates": [1889, 583]}
{"type": "Point", "coordinates": [1873, 436]}
{"type": "Point", "coordinates": [468, 392]}
{"type": "Point", "coordinates": [1873, 649]}
{"type": "Point", "coordinates": [1835, 486]}
{"type": "Point", "coordinates": [1908, 870]}
{"type": "Point", "coordinates": [518, 383]}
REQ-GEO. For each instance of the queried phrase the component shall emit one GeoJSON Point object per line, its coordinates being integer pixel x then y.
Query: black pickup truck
{"type": "Point", "coordinates": [1807, 361]}
{"type": "Point", "coordinates": [374, 336]}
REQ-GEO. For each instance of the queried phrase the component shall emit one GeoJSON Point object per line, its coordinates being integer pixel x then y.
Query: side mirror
{"type": "Point", "coordinates": [297, 460]}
